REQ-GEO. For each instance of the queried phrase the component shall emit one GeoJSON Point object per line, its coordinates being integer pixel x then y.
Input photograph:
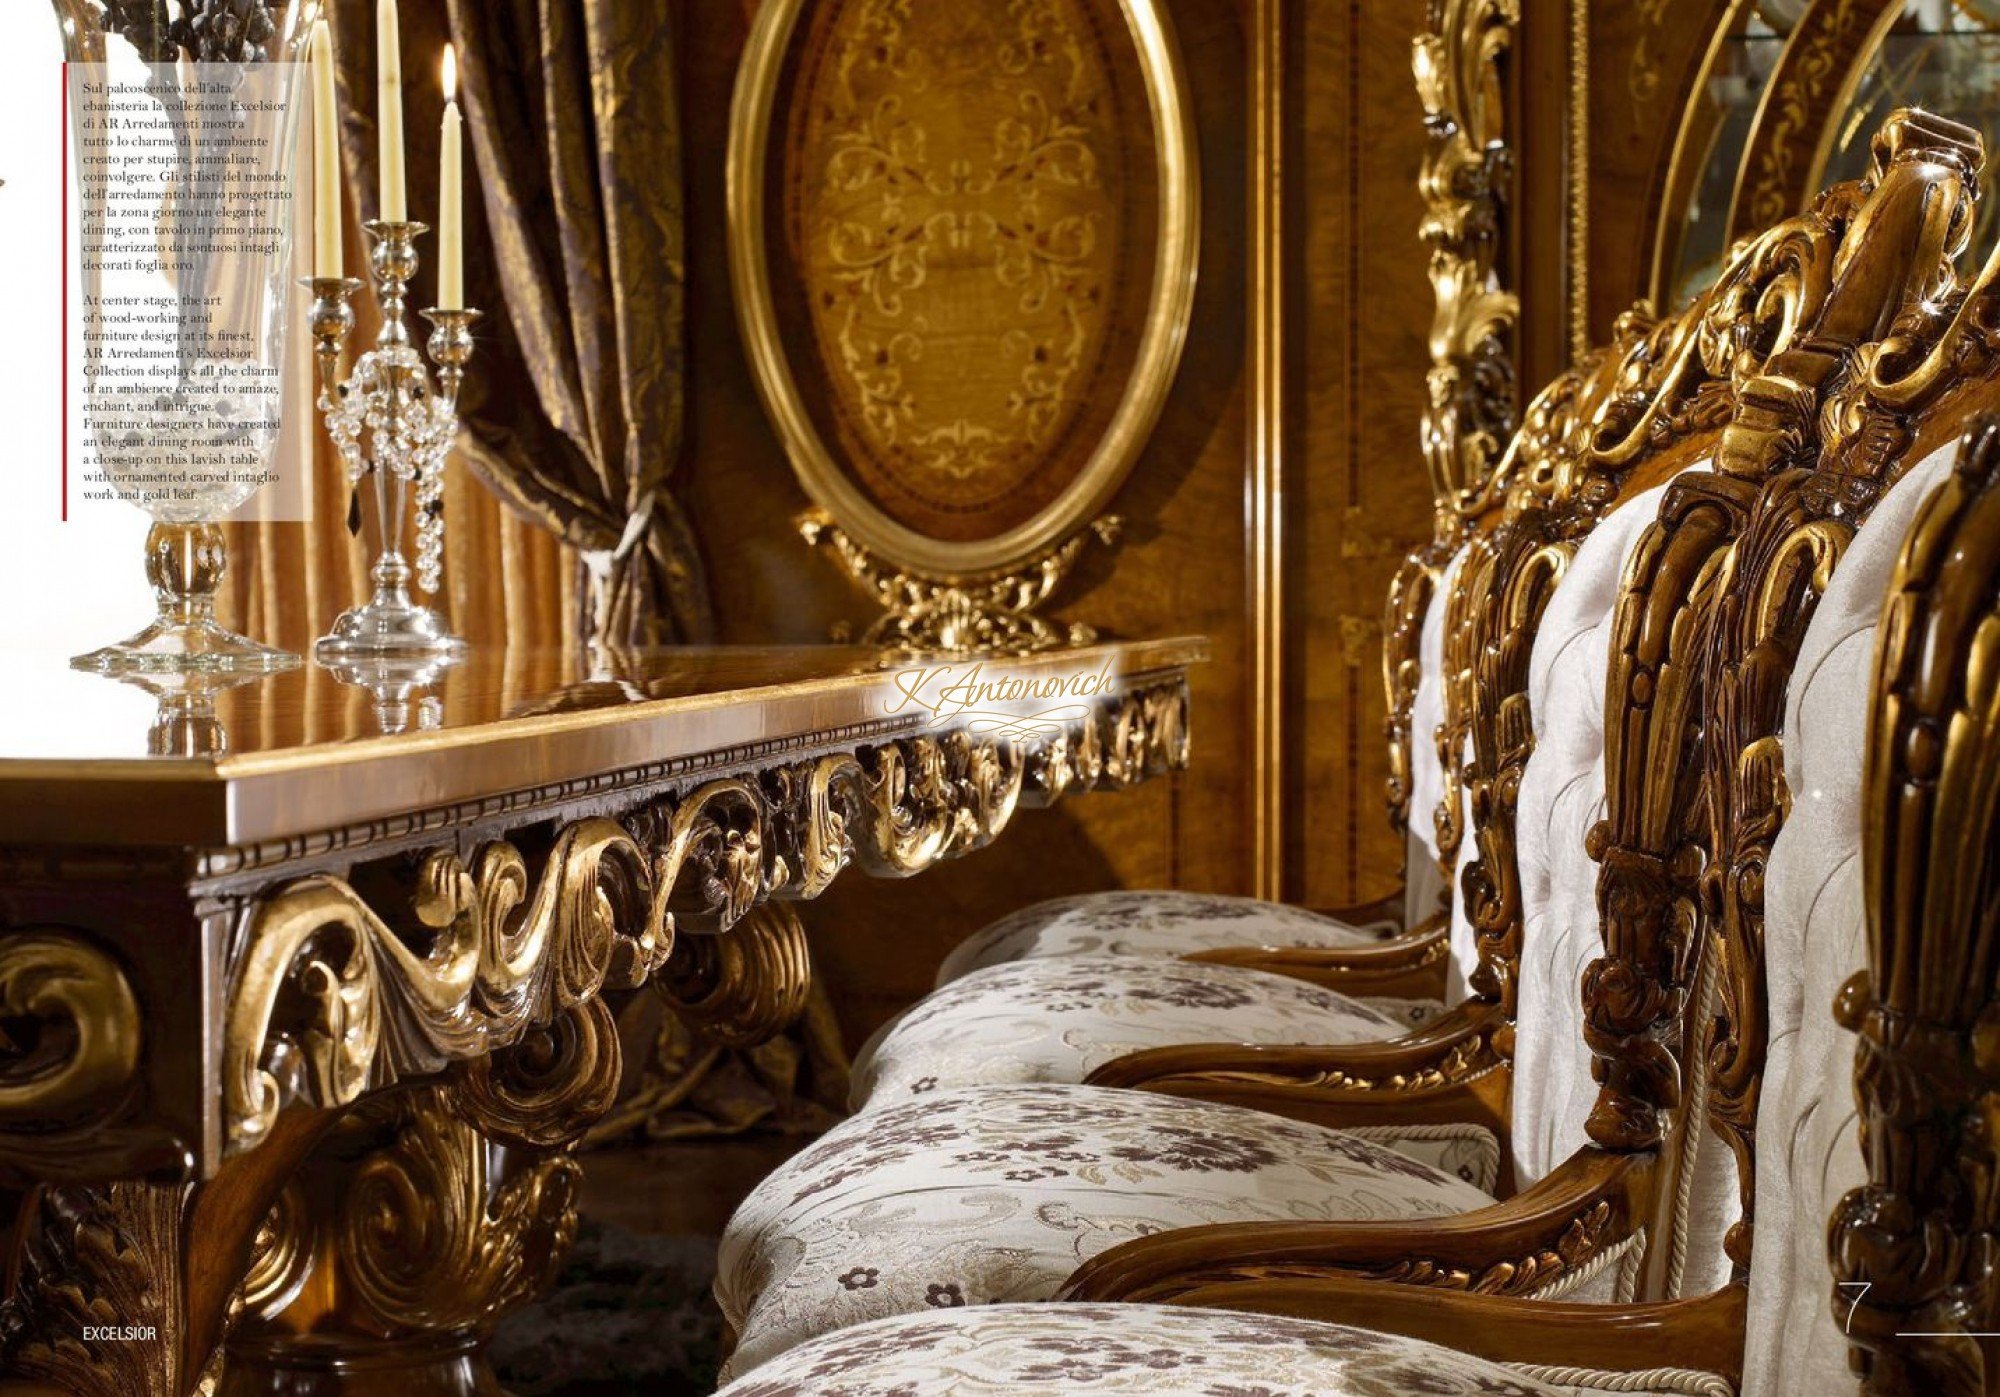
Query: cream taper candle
{"type": "Point", "coordinates": [326, 158]}
{"type": "Point", "coordinates": [451, 194]}
{"type": "Point", "coordinates": [395, 206]}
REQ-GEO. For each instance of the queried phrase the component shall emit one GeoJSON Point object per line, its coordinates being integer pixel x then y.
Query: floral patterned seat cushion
{"type": "Point", "coordinates": [1056, 1020]}
{"type": "Point", "coordinates": [999, 1193]}
{"type": "Point", "coordinates": [1148, 922]}
{"type": "Point", "coordinates": [1155, 1350]}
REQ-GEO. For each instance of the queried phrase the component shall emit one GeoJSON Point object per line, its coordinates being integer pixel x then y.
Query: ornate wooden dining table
{"type": "Point", "coordinates": [308, 983]}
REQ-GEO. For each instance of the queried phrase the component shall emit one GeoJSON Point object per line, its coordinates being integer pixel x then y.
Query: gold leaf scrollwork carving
{"type": "Point", "coordinates": [432, 1241]}
{"type": "Point", "coordinates": [747, 984]}
{"type": "Point", "coordinates": [709, 858]}
{"type": "Point", "coordinates": [70, 1055]}
{"type": "Point", "coordinates": [1464, 179]}
{"type": "Point", "coordinates": [281, 1255]}
{"type": "Point", "coordinates": [929, 798]}
{"type": "Point", "coordinates": [810, 804]}
{"type": "Point", "coordinates": [329, 1000]}
{"type": "Point", "coordinates": [1410, 594]}
{"type": "Point", "coordinates": [995, 615]}
{"type": "Point", "coordinates": [77, 1047]}
{"type": "Point", "coordinates": [549, 1087]}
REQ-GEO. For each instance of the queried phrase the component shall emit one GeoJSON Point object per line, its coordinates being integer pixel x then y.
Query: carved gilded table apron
{"type": "Point", "coordinates": [306, 993]}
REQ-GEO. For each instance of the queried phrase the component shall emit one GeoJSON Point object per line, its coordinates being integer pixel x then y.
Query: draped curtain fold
{"type": "Point", "coordinates": [573, 407]}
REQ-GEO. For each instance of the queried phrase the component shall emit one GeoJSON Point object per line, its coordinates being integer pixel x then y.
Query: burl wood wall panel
{"type": "Point", "coordinates": [1179, 568]}
{"type": "Point", "coordinates": [1356, 498]}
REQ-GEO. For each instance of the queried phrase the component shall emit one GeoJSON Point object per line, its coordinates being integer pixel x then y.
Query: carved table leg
{"type": "Point", "coordinates": [125, 1289]}
{"type": "Point", "coordinates": [428, 1215]}
{"type": "Point", "coordinates": [98, 1304]}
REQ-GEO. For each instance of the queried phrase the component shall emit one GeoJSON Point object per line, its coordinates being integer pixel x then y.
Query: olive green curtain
{"type": "Point", "coordinates": [574, 249]}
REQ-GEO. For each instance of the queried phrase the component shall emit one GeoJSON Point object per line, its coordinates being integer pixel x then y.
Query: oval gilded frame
{"type": "Point", "coordinates": [1169, 308]}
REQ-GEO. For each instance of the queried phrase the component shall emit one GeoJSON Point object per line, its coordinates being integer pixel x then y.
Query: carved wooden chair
{"type": "Point", "coordinates": [1061, 989]}
{"type": "Point", "coordinates": [1859, 587]}
{"type": "Point", "coordinates": [940, 1188]}
{"type": "Point", "coordinates": [1873, 902]}
{"type": "Point", "coordinates": [1852, 363]}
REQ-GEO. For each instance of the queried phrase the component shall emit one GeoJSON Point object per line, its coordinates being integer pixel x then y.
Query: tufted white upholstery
{"type": "Point", "coordinates": [1154, 1350]}
{"type": "Point", "coordinates": [1815, 937]}
{"type": "Point", "coordinates": [999, 1193]}
{"type": "Point", "coordinates": [1562, 796]}
{"type": "Point", "coordinates": [1167, 923]}
{"type": "Point", "coordinates": [1426, 772]}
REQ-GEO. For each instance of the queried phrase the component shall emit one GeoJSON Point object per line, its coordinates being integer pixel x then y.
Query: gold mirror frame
{"type": "Point", "coordinates": [1785, 152]}
{"type": "Point", "coordinates": [1170, 307]}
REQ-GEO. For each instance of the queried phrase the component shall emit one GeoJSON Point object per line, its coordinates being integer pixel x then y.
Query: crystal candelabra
{"type": "Point", "coordinates": [393, 428]}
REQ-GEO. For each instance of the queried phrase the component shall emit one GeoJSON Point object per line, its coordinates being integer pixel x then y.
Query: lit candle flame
{"type": "Point", "coordinates": [450, 73]}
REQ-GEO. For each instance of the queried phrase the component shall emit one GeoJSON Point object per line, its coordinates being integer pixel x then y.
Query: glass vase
{"type": "Point", "coordinates": [181, 405]}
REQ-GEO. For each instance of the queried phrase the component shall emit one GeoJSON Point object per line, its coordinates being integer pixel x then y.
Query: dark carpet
{"type": "Point", "coordinates": [631, 1313]}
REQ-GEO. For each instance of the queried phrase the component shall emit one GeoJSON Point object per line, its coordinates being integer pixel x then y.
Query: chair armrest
{"type": "Point", "coordinates": [1455, 1047]}
{"type": "Point", "coordinates": [1592, 1203]}
{"type": "Point", "coordinates": [1443, 1073]}
{"type": "Point", "coordinates": [1409, 966]}
{"type": "Point", "coordinates": [1704, 1334]}
{"type": "Point", "coordinates": [1382, 909]}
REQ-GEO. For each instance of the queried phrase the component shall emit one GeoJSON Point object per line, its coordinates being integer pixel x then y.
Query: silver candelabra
{"type": "Point", "coordinates": [393, 427]}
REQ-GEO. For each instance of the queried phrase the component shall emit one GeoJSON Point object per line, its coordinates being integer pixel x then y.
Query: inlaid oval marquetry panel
{"type": "Point", "coordinates": [963, 239]}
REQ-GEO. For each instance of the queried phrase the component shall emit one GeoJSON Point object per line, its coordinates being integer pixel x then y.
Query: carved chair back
{"type": "Point", "coordinates": [1912, 1249]}
{"type": "Point", "coordinates": [1649, 405]}
{"type": "Point", "coordinates": [1719, 597]}
{"type": "Point", "coordinates": [1652, 406]}
{"type": "Point", "coordinates": [1588, 443]}
{"type": "Point", "coordinates": [1481, 585]}
{"type": "Point", "coordinates": [1844, 347]}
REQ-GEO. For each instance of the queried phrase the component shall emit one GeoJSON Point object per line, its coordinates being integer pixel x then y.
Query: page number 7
{"type": "Point", "coordinates": [1860, 1289]}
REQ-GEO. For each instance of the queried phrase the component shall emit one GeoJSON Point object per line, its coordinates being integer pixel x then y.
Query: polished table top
{"type": "Point", "coordinates": [86, 758]}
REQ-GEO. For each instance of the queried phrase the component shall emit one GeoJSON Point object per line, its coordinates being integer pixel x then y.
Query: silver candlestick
{"type": "Point", "coordinates": [395, 428]}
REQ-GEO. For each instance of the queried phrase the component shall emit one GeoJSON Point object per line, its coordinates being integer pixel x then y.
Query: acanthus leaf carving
{"type": "Point", "coordinates": [1912, 1249]}
{"type": "Point", "coordinates": [1464, 181]}
{"type": "Point", "coordinates": [331, 999]}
